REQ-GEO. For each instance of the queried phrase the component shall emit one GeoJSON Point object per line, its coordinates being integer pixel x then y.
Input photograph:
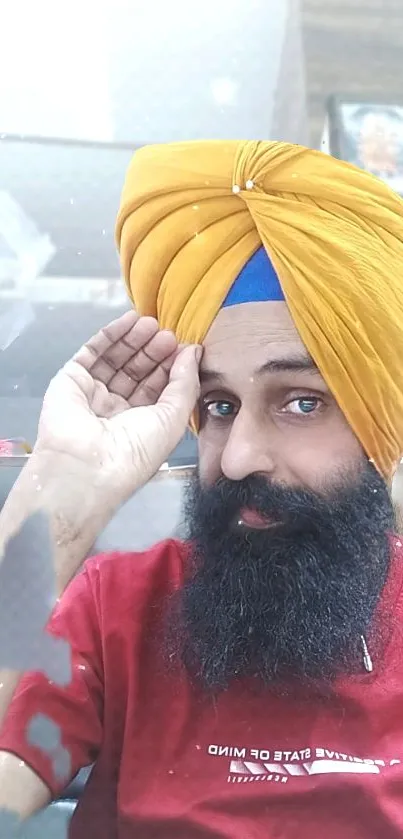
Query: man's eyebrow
{"type": "Point", "coordinates": [288, 364]}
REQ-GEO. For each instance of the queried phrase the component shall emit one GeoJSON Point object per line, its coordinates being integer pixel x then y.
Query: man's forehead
{"type": "Point", "coordinates": [252, 328]}
{"type": "Point", "coordinates": [254, 338]}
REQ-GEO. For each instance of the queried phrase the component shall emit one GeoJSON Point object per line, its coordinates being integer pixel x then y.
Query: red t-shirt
{"type": "Point", "coordinates": [174, 764]}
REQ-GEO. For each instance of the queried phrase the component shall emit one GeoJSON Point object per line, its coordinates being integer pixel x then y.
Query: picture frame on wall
{"type": "Point", "coordinates": [368, 134]}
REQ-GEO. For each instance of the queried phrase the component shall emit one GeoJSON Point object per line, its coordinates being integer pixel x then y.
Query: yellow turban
{"type": "Point", "coordinates": [193, 213]}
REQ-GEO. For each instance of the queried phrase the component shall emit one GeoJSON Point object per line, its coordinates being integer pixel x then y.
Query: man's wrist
{"type": "Point", "coordinates": [74, 497]}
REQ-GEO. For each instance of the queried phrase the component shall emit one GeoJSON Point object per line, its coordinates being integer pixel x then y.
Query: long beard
{"type": "Point", "coordinates": [288, 604]}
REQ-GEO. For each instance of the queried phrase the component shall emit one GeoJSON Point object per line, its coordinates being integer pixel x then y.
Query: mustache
{"type": "Point", "coordinates": [217, 506]}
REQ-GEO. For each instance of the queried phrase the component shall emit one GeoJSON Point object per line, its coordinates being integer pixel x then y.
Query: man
{"type": "Point", "coordinates": [247, 682]}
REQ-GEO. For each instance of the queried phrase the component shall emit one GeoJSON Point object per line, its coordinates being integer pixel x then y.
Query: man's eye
{"type": "Point", "coordinates": [303, 406]}
{"type": "Point", "coordinates": [219, 409]}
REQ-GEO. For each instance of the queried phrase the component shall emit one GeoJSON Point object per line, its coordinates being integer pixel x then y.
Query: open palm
{"type": "Point", "coordinates": [123, 401]}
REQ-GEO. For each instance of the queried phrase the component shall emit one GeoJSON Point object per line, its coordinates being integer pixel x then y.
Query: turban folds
{"type": "Point", "coordinates": [194, 213]}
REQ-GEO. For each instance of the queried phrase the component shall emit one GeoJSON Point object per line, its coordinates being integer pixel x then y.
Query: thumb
{"type": "Point", "coordinates": [179, 397]}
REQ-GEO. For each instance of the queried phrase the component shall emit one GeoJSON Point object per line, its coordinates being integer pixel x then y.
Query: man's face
{"type": "Point", "coordinates": [264, 407]}
{"type": "Point", "coordinates": [288, 521]}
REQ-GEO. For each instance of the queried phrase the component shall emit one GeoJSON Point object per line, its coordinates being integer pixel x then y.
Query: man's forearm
{"type": "Point", "coordinates": [75, 501]}
{"type": "Point", "coordinates": [76, 507]}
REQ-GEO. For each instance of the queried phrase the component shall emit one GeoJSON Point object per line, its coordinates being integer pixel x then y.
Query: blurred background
{"type": "Point", "coordinates": [83, 84]}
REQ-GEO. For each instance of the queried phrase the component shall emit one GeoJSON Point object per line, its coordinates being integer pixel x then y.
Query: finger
{"type": "Point", "coordinates": [179, 398]}
{"type": "Point", "coordinates": [119, 352]}
{"type": "Point", "coordinates": [117, 341]}
{"type": "Point", "coordinates": [123, 382]}
{"type": "Point", "coordinates": [117, 330]}
{"type": "Point", "coordinates": [109, 335]}
{"type": "Point", "coordinates": [137, 352]}
{"type": "Point", "coordinates": [156, 352]}
{"type": "Point", "coordinates": [143, 342]}
{"type": "Point", "coordinates": [149, 390]}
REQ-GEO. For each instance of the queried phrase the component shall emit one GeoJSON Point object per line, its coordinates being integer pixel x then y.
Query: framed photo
{"type": "Point", "coordinates": [369, 135]}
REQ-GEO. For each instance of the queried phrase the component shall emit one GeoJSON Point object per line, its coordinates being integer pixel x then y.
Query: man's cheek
{"type": "Point", "coordinates": [209, 461]}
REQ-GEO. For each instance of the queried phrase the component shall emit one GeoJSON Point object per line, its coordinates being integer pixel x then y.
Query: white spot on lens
{"type": "Point", "coordinates": [224, 91]}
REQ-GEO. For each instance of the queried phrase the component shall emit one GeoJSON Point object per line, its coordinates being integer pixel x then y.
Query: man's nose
{"type": "Point", "coordinates": [248, 449]}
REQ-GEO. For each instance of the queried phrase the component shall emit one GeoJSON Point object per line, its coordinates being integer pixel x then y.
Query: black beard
{"type": "Point", "coordinates": [288, 605]}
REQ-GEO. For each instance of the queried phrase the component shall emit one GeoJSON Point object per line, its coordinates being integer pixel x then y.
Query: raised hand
{"type": "Point", "coordinates": [123, 402]}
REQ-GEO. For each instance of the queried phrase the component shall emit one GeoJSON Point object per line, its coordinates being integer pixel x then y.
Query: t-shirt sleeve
{"type": "Point", "coordinates": [74, 711]}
